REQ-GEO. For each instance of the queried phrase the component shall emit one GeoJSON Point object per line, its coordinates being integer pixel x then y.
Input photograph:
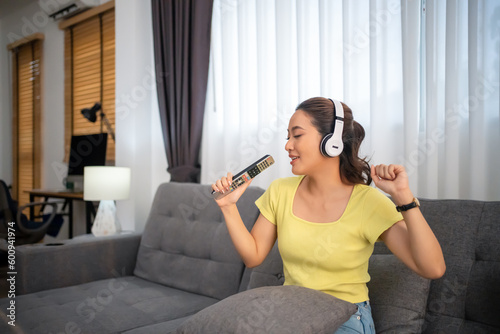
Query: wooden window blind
{"type": "Point", "coordinates": [26, 126]}
{"type": "Point", "coordinates": [90, 73]}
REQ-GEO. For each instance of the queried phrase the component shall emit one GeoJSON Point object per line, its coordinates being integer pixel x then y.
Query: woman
{"type": "Point", "coordinates": [328, 217]}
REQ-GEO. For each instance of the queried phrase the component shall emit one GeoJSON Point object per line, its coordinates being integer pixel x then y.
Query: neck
{"type": "Point", "coordinates": [325, 178]}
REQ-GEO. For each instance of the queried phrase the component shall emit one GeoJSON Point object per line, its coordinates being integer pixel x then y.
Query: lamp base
{"type": "Point", "coordinates": [105, 222]}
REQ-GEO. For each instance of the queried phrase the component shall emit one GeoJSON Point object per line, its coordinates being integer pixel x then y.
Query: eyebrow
{"type": "Point", "coordinates": [296, 127]}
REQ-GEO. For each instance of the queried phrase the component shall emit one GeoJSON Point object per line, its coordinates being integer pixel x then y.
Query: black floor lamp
{"type": "Point", "coordinates": [91, 115]}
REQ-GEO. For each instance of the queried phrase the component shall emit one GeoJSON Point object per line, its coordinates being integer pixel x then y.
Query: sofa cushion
{"type": "Point", "coordinates": [186, 244]}
{"type": "Point", "coordinates": [273, 309]}
{"type": "Point", "coordinates": [398, 296]}
{"type": "Point", "coordinates": [106, 306]}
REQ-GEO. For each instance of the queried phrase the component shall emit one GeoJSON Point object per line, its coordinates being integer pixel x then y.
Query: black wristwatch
{"type": "Point", "coordinates": [407, 207]}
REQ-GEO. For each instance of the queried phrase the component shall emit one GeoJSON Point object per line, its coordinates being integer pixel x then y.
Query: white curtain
{"type": "Point", "coordinates": [459, 133]}
{"type": "Point", "coordinates": [421, 77]}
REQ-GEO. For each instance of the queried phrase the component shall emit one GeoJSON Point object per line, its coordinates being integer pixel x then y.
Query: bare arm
{"type": "Point", "coordinates": [253, 246]}
{"type": "Point", "coordinates": [411, 239]}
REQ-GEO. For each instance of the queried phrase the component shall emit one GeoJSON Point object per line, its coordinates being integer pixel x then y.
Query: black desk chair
{"type": "Point", "coordinates": [25, 231]}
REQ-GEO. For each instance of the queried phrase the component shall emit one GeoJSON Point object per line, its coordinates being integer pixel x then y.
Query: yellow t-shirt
{"type": "Point", "coordinates": [329, 257]}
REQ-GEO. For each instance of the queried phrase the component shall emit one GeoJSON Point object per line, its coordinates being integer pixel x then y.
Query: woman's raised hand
{"type": "Point", "coordinates": [393, 180]}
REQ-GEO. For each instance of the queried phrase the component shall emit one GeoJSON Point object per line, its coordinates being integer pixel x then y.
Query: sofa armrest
{"type": "Point", "coordinates": [75, 261]}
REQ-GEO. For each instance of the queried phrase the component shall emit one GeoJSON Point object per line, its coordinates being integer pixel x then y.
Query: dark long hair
{"type": "Point", "coordinates": [353, 169]}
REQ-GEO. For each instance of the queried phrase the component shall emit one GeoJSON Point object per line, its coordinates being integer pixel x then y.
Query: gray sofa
{"type": "Point", "coordinates": [184, 262]}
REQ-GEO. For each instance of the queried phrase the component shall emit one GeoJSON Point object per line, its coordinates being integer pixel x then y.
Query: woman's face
{"type": "Point", "coordinates": [303, 144]}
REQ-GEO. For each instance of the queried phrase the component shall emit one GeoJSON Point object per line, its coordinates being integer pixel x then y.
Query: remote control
{"type": "Point", "coordinates": [247, 174]}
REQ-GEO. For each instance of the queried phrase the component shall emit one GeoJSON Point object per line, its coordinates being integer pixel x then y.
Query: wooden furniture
{"type": "Point", "coordinates": [68, 197]}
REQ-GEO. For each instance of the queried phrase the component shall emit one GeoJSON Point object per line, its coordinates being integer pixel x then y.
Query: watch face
{"type": "Point", "coordinates": [416, 201]}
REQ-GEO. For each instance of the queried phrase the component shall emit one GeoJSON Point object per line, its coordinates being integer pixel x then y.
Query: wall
{"type": "Point", "coordinates": [138, 133]}
{"type": "Point", "coordinates": [5, 109]}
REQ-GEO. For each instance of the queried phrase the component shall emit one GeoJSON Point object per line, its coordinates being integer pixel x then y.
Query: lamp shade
{"type": "Point", "coordinates": [106, 183]}
{"type": "Point", "coordinates": [91, 114]}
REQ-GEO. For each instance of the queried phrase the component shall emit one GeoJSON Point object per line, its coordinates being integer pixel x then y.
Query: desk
{"type": "Point", "coordinates": [69, 197]}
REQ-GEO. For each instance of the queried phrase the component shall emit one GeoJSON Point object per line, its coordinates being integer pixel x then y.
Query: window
{"type": "Point", "coordinates": [90, 72]}
{"type": "Point", "coordinates": [422, 77]}
{"type": "Point", "coordinates": [27, 150]}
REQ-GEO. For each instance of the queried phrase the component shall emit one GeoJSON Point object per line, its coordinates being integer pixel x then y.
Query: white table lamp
{"type": "Point", "coordinates": [106, 184]}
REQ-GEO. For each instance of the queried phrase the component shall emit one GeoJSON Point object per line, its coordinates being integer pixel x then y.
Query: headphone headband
{"type": "Point", "coordinates": [338, 110]}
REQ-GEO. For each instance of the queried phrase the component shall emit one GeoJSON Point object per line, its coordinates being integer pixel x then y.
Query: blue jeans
{"type": "Point", "coordinates": [360, 322]}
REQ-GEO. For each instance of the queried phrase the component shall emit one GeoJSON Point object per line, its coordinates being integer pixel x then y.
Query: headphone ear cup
{"type": "Point", "coordinates": [323, 145]}
{"type": "Point", "coordinates": [331, 147]}
{"type": "Point", "coordinates": [332, 144]}
{"type": "Point", "coordinates": [335, 147]}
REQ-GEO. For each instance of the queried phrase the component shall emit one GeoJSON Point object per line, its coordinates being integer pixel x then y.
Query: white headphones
{"type": "Point", "coordinates": [332, 145]}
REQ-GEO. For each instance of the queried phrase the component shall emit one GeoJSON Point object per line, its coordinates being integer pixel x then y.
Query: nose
{"type": "Point", "coordinates": [288, 146]}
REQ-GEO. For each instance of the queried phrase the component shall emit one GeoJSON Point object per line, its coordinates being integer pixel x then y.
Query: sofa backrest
{"type": "Point", "coordinates": [465, 299]}
{"type": "Point", "coordinates": [186, 245]}
{"type": "Point", "coordinates": [269, 272]}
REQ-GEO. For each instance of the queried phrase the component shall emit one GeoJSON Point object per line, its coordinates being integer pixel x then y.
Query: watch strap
{"type": "Point", "coordinates": [407, 207]}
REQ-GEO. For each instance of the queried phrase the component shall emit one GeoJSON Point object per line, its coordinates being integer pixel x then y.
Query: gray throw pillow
{"type": "Point", "coordinates": [272, 309]}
